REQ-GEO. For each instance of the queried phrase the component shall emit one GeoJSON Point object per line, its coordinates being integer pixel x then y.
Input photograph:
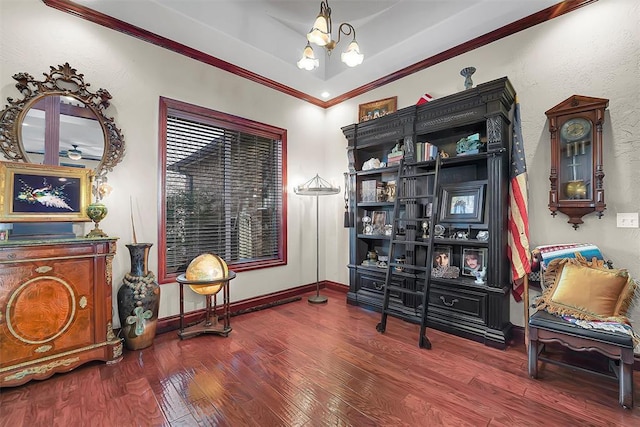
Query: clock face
{"type": "Point", "coordinates": [368, 229]}
{"type": "Point", "coordinates": [575, 129]}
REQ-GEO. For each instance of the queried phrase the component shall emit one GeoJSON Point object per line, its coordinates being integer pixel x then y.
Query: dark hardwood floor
{"type": "Point", "coordinates": [299, 364]}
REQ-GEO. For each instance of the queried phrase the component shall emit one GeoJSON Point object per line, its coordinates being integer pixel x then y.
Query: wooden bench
{"type": "Point", "coordinates": [618, 347]}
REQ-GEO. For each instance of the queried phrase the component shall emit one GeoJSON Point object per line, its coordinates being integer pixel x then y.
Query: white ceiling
{"type": "Point", "coordinates": [267, 37]}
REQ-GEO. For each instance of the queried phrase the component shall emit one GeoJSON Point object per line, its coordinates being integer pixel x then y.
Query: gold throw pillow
{"type": "Point", "coordinates": [586, 291]}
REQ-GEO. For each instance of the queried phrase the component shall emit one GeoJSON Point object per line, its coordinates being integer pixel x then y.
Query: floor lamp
{"type": "Point", "coordinates": [317, 186]}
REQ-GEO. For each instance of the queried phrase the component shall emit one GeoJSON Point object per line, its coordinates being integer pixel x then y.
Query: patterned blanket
{"type": "Point", "coordinates": [546, 254]}
{"type": "Point", "coordinates": [543, 255]}
{"type": "Point", "coordinates": [609, 326]}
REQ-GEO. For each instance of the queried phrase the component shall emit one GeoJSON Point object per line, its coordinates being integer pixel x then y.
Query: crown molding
{"type": "Point", "coordinates": [91, 15]}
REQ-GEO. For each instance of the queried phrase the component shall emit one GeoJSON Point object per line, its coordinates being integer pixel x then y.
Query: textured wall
{"type": "Point", "coordinates": [593, 51]}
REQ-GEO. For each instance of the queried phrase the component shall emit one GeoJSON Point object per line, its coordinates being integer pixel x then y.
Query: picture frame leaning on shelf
{"type": "Point", "coordinates": [473, 261]}
{"type": "Point", "coordinates": [379, 219]}
{"type": "Point", "coordinates": [373, 110]}
{"type": "Point", "coordinates": [463, 202]}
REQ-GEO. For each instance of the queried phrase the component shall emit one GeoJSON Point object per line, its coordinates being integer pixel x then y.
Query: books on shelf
{"type": "Point", "coordinates": [394, 158]}
{"type": "Point", "coordinates": [425, 151]}
{"type": "Point", "coordinates": [378, 191]}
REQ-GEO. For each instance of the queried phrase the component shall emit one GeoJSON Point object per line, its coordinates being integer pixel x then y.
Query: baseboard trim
{"type": "Point", "coordinates": [335, 286]}
{"type": "Point", "coordinates": [517, 335]}
{"type": "Point", "coordinates": [172, 323]}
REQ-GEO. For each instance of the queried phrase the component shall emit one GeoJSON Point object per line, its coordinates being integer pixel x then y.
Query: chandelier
{"type": "Point", "coordinates": [320, 35]}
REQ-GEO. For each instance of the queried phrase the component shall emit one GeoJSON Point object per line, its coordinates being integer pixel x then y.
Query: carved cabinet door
{"type": "Point", "coordinates": [48, 308]}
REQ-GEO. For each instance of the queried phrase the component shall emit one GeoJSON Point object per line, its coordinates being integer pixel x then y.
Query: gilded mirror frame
{"type": "Point", "coordinates": [62, 81]}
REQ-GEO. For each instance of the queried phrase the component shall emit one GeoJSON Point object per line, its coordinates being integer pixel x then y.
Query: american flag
{"type": "Point", "coordinates": [518, 234]}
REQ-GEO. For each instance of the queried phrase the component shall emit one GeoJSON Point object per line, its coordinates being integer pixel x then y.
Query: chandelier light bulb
{"type": "Point", "coordinates": [74, 153]}
{"type": "Point", "coordinates": [308, 61]}
{"type": "Point", "coordinates": [352, 56]}
{"type": "Point", "coordinates": [319, 33]}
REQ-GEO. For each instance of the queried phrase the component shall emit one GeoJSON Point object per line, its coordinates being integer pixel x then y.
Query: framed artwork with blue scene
{"type": "Point", "coordinates": [43, 193]}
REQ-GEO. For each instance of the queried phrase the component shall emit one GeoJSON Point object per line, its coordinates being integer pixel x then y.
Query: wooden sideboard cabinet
{"type": "Point", "coordinates": [56, 306]}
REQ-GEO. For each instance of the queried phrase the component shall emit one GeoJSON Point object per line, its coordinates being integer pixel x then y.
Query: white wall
{"type": "Point", "coordinates": [34, 37]}
{"type": "Point", "coordinates": [593, 51]}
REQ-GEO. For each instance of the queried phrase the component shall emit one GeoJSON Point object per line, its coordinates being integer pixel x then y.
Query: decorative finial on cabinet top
{"type": "Point", "coordinates": [467, 73]}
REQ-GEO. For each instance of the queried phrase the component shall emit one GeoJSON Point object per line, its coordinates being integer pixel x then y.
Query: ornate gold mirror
{"type": "Point", "coordinates": [60, 122]}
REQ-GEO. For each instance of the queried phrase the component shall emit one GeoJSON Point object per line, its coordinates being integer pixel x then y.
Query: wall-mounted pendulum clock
{"type": "Point", "coordinates": [576, 157]}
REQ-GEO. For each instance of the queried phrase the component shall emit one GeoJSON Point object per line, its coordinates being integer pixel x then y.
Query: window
{"type": "Point", "coordinates": [223, 183]}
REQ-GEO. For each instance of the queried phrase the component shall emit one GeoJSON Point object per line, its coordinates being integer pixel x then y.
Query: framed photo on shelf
{"type": "Point", "coordinates": [375, 109]}
{"type": "Point", "coordinates": [379, 220]}
{"type": "Point", "coordinates": [463, 202]}
{"type": "Point", "coordinates": [427, 210]}
{"type": "Point", "coordinates": [41, 193]}
{"type": "Point", "coordinates": [441, 256]}
{"type": "Point", "coordinates": [381, 191]}
{"type": "Point", "coordinates": [473, 260]}
{"type": "Point", "coordinates": [391, 191]}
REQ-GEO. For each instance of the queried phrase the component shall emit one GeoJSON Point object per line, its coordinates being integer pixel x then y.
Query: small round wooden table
{"type": "Point", "coordinates": [211, 324]}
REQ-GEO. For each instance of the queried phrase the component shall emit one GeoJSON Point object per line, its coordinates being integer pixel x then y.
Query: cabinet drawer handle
{"type": "Point", "coordinates": [378, 286]}
{"type": "Point", "coordinates": [11, 256]}
{"type": "Point", "coordinates": [448, 304]}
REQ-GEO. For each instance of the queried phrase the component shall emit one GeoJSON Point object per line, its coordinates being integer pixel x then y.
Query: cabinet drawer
{"type": "Point", "coordinates": [470, 303]}
{"type": "Point", "coordinates": [12, 254]}
{"type": "Point", "coordinates": [373, 283]}
{"type": "Point", "coordinates": [376, 283]}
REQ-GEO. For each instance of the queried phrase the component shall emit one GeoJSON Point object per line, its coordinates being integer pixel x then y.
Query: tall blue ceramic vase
{"type": "Point", "coordinates": [139, 300]}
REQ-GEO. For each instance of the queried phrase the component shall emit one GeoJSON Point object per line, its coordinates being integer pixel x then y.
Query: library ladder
{"type": "Point", "coordinates": [414, 214]}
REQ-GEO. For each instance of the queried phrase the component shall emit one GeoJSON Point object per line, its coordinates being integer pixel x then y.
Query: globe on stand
{"type": "Point", "coordinates": [206, 267]}
{"type": "Point", "coordinates": [207, 275]}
